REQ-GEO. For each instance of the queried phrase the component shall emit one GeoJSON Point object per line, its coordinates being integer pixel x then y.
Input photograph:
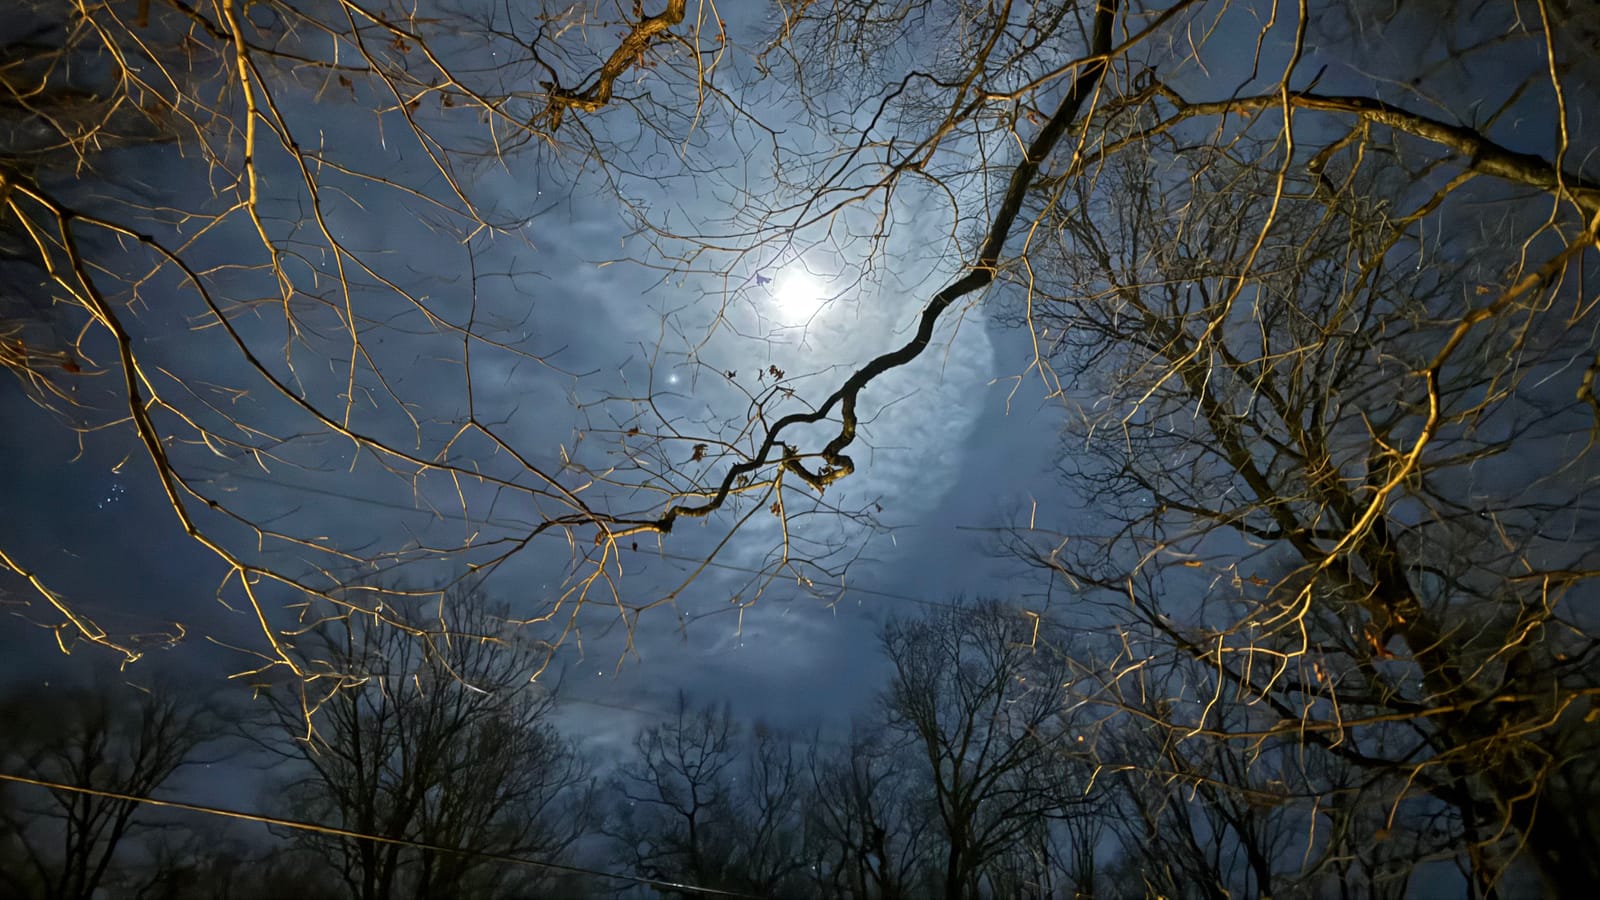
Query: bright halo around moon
{"type": "Point", "coordinates": [797, 296]}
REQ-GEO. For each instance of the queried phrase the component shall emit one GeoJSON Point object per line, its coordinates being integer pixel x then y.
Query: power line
{"type": "Point", "coordinates": [333, 831]}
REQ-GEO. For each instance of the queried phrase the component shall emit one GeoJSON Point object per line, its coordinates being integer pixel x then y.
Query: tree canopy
{"type": "Point", "coordinates": [1306, 284]}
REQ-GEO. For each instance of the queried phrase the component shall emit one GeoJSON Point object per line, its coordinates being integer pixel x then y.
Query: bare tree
{"type": "Point", "coordinates": [120, 739]}
{"type": "Point", "coordinates": [1339, 469]}
{"type": "Point", "coordinates": [982, 713]}
{"type": "Point", "coordinates": [440, 744]}
{"type": "Point", "coordinates": [709, 803]}
{"type": "Point", "coordinates": [868, 808]}
{"type": "Point", "coordinates": [1199, 815]}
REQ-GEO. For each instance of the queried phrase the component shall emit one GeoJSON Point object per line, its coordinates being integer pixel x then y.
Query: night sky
{"type": "Point", "coordinates": [953, 446]}
{"type": "Point", "coordinates": [588, 315]}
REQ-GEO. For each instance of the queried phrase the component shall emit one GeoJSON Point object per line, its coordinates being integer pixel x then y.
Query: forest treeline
{"type": "Point", "coordinates": [1002, 757]}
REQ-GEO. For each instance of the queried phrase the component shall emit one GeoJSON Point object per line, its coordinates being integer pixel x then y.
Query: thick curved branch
{"type": "Point", "coordinates": [629, 53]}
{"type": "Point", "coordinates": [1484, 156]}
{"type": "Point", "coordinates": [836, 464]}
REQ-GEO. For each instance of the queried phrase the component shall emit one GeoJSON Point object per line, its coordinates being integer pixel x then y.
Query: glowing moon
{"type": "Point", "coordinates": [798, 296]}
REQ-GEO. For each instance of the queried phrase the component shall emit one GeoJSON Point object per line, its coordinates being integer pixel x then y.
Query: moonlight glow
{"type": "Point", "coordinates": [797, 296]}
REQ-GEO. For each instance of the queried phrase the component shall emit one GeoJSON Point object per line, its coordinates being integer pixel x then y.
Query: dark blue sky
{"type": "Point", "coordinates": [948, 448]}
{"type": "Point", "coordinates": [949, 451]}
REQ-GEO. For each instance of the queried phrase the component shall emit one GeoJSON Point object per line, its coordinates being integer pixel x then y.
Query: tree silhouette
{"type": "Point", "coordinates": [120, 739]}
{"type": "Point", "coordinates": [707, 802]}
{"type": "Point", "coordinates": [440, 741]}
{"type": "Point", "coordinates": [984, 713]}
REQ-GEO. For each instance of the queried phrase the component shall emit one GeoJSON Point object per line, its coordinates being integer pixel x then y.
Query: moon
{"type": "Point", "coordinates": [798, 296]}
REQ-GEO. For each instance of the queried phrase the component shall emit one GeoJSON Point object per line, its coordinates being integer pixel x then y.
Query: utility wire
{"type": "Point", "coordinates": [356, 835]}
